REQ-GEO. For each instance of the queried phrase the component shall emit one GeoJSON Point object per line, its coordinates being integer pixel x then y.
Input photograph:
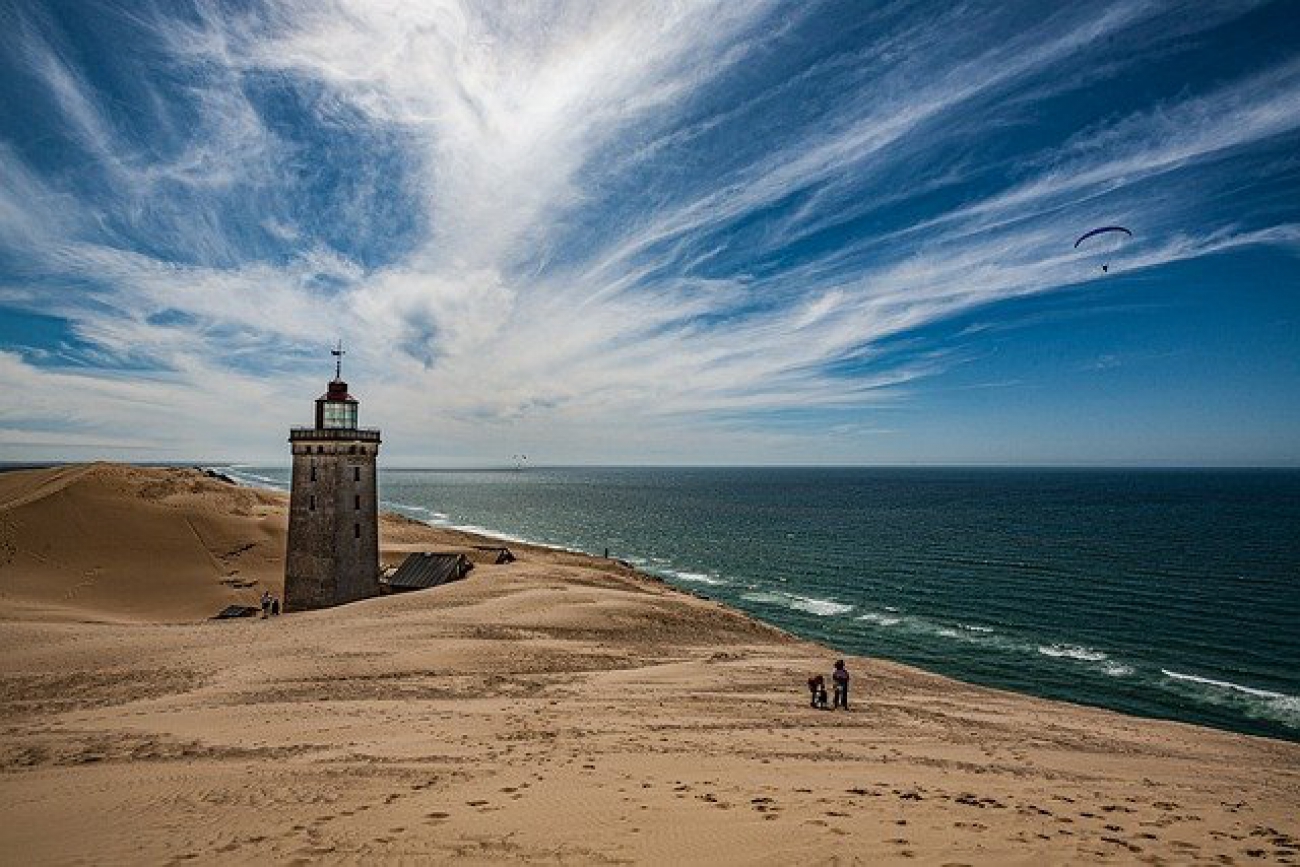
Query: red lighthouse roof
{"type": "Point", "coordinates": [338, 391]}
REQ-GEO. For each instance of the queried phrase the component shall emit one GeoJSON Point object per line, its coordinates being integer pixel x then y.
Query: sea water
{"type": "Point", "coordinates": [1165, 593]}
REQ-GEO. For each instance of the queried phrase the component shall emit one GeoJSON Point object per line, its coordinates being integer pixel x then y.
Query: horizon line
{"type": "Point", "coordinates": [506, 467]}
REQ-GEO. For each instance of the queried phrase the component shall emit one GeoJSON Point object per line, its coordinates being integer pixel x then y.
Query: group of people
{"type": "Point", "coordinates": [270, 604]}
{"type": "Point", "coordinates": [840, 685]}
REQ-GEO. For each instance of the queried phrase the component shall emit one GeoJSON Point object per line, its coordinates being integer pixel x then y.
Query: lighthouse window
{"type": "Point", "coordinates": [313, 472]}
{"type": "Point", "coordinates": [311, 503]}
{"type": "Point", "coordinates": [356, 531]}
{"type": "Point", "coordinates": [356, 474]}
{"type": "Point", "coordinates": [339, 415]}
{"type": "Point", "coordinates": [356, 502]}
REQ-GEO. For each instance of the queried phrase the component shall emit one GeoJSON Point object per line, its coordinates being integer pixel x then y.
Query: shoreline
{"type": "Point", "coordinates": [681, 580]}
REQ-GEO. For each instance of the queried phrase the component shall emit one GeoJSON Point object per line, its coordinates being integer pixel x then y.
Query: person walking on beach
{"type": "Point", "coordinates": [841, 678]}
{"type": "Point", "coordinates": [817, 689]}
{"type": "Point", "coordinates": [266, 603]}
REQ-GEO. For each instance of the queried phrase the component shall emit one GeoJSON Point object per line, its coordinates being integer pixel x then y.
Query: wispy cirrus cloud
{"type": "Point", "coordinates": [600, 230]}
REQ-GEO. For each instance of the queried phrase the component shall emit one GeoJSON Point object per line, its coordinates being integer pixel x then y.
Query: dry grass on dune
{"type": "Point", "coordinates": [558, 709]}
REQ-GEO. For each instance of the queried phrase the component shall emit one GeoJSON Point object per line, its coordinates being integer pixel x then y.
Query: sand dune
{"type": "Point", "coordinates": [109, 541]}
{"type": "Point", "coordinates": [560, 709]}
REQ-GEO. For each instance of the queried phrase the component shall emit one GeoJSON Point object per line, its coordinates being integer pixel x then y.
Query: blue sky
{"type": "Point", "coordinates": [601, 232]}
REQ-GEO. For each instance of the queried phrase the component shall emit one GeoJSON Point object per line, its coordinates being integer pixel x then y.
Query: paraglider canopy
{"type": "Point", "coordinates": [1118, 232]}
{"type": "Point", "coordinates": [1103, 230]}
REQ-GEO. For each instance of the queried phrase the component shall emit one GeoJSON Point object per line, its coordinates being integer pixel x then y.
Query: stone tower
{"type": "Point", "coordinates": [333, 551]}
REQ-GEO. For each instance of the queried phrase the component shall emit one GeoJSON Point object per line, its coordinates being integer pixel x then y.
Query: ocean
{"type": "Point", "coordinates": [1161, 593]}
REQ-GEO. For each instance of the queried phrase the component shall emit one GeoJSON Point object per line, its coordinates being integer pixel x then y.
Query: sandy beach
{"type": "Point", "coordinates": [561, 708]}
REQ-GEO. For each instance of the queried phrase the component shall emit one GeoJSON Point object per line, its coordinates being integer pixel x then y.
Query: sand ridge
{"type": "Point", "coordinates": [559, 709]}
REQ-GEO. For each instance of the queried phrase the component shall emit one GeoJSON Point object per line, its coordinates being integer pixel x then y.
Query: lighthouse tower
{"type": "Point", "coordinates": [333, 552]}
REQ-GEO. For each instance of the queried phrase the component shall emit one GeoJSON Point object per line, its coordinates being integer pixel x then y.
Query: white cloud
{"type": "Point", "coordinates": [494, 331]}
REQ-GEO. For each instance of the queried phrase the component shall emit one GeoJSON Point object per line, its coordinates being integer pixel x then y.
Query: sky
{"type": "Point", "coordinates": [653, 233]}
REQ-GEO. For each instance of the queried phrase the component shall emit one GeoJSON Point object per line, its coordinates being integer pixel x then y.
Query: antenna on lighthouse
{"type": "Point", "coordinates": [338, 353]}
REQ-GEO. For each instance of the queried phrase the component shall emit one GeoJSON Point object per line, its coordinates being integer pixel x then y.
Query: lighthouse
{"type": "Point", "coordinates": [333, 547]}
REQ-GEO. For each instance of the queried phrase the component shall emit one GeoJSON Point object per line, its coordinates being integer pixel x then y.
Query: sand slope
{"type": "Point", "coordinates": [559, 709]}
{"type": "Point", "coordinates": [120, 542]}
{"type": "Point", "coordinates": [110, 541]}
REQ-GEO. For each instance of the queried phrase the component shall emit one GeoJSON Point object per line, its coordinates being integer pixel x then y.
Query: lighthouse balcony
{"type": "Point", "coordinates": [354, 435]}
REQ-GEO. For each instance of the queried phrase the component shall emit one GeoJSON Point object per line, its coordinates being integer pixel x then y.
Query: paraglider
{"type": "Point", "coordinates": [1112, 231]}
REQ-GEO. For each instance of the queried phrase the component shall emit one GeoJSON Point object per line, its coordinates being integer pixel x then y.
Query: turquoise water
{"type": "Point", "coordinates": [1171, 594]}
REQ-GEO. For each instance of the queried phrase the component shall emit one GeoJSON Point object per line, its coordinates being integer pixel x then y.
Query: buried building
{"type": "Point", "coordinates": [333, 546]}
{"type": "Point", "coordinates": [426, 570]}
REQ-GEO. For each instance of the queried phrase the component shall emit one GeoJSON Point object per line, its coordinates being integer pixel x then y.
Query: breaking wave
{"type": "Point", "coordinates": [251, 479]}
{"type": "Point", "coordinates": [1072, 651]}
{"type": "Point", "coordinates": [1251, 700]}
{"type": "Point", "coordinates": [808, 604]}
{"type": "Point", "coordinates": [695, 577]}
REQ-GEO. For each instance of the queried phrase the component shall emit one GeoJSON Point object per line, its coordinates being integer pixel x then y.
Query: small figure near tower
{"type": "Point", "coordinates": [333, 547]}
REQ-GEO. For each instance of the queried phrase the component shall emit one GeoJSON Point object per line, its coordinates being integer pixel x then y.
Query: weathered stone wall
{"type": "Point", "coordinates": [333, 547]}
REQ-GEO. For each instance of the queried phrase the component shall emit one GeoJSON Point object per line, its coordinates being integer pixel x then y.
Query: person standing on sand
{"type": "Point", "coordinates": [817, 689]}
{"type": "Point", "coordinates": [841, 678]}
{"type": "Point", "coordinates": [266, 603]}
